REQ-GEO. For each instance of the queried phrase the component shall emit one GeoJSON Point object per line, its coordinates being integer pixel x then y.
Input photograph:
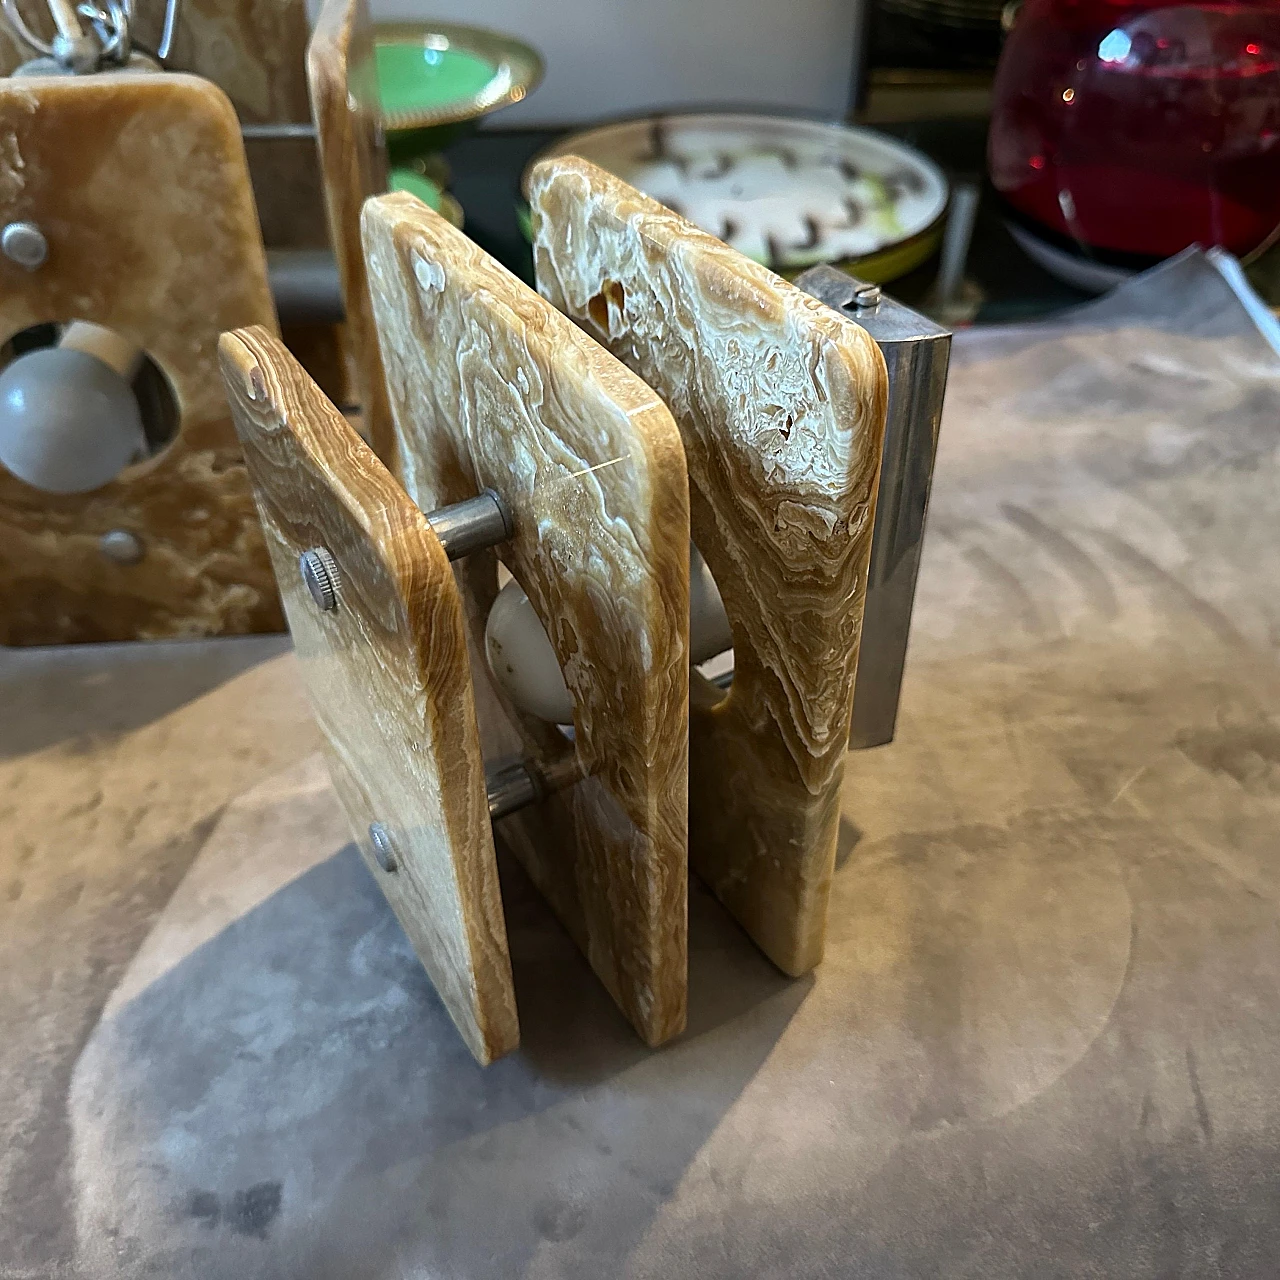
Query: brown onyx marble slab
{"type": "Point", "coordinates": [347, 111]}
{"type": "Point", "coordinates": [781, 404]}
{"type": "Point", "coordinates": [139, 185]}
{"type": "Point", "coordinates": [251, 49]}
{"type": "Point", "coordinates": [386, 674]}
{"type": "Point", "coordinates": [254, 51]}
{"type": "Point", "coordinates": [491, 386]}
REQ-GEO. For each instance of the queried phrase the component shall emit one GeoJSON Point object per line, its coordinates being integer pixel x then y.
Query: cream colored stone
{"type": "Point", "coordinates": [490, 386]}
{"type": "Point", "coordinates": [386, 674]}
{"type": "Point", "coordinates": [781, 405]}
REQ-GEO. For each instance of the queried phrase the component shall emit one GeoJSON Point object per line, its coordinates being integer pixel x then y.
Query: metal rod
{"type": "Point", "coordinates": [278, 130]}
{"type": "Point", "coordinates": [955, 243]}
{"type": "Point", "coordinates": [479, 522]}
{"type": "Point", "coordinates": [511, 787]}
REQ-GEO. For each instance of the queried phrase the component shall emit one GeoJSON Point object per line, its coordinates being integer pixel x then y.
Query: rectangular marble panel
{"type": "Point", "coordinates": [781, 405]}
{"type": "Point", "coordinates": [140, 187]}
{"type": "Point", "coordinates": [491, 386]}
{"type": "Point", "coordinates": [348, 116]}
{"type": "Point", "coordinates": [386, 674]}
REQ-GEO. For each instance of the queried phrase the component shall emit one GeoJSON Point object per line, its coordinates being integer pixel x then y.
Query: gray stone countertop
{"type": "Point", "coordinates": [1046, 1037]}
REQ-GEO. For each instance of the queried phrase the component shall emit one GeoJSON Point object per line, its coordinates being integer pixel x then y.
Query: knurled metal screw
{"type": "Point", "coordinates": [383, 847]}
{"type": "Point", "coordinates": [24, 243]}
{"type": "Point", "coordinates": [320, 572]}
{"type": "Point", "coordinates": [121, 546]}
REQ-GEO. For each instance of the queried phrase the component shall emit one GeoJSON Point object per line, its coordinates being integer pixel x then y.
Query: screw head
{"type": "Point", "coordinates": [384, 849]}
{"type": "Point", "coordinates": [121, 546]}
{"type": "Point", "coordinates": [868, 295]}
{"type": "Point", "coordinates": [320, 572]}
{"type": "Point", "coordinates": [24, 243]}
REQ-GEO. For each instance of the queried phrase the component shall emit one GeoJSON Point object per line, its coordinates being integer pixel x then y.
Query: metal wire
{"type": "Point", "coordinates": [19, 25]}
{"type": "Point", "coordinates": [167, 32]}
{"type": "Point", "coordinates": [112, 27]}
{"type": "Point", "coordinates": [112, 24]}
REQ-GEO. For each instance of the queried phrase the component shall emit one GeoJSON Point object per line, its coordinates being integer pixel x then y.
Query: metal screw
{"type": "Point", "coordinates": [24, 243]}
{"type": "Point", "coordinates": [320, 572]}
{"type": "Point", "coordinates": [383, 847]}
{"type": "Point", "coordinates": [121, 546]}
{"type": "Point", "coordinates": [867, 295]}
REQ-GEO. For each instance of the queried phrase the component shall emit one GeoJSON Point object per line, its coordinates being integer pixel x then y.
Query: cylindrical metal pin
{"type": "Point", "coordinates": [472, 525]}
{"type": "Point", "coordinates": [511, 787]}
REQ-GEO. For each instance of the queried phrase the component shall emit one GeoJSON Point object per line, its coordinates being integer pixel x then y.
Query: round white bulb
{"type": "Point", "coordinates": [68, 421]}
{"type": "Point", "coordinates": [524, 663]}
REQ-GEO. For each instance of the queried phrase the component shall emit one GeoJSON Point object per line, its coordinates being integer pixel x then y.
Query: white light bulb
{"type": "Point", "coordinates": [69, 421]}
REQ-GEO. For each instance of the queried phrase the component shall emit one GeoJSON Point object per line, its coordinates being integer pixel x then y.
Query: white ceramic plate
{"type": "Point", "coordinates": [787, 192]}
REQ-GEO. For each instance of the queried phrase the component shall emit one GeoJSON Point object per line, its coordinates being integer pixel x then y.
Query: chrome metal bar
{"type": "Point", "coordinates": [511, 787]}
{"type": "Point", "coordinates": [278, 130]}
{"type": "Point", "coordinates": [479, 522]}
{"type": "Point", "coordinates": [916, 352]}
{"type": "Point", "coordinates": [956, 239]}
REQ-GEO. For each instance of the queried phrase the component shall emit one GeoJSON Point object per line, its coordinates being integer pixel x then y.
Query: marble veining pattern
{"type": "Point", "coordinates": [490, 386]}
{"type": "Point", "coordinates": [171, 281]}
{"type": "Point", "coordinates": [348, 116]}
{"type": "Point", "coordinates": [780, 403]}
{"type": "Point", "coordinates": [385, 670]}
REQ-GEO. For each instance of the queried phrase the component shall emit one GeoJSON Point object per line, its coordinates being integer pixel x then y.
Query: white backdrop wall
{"type": "Point", "coordinates": [606, 57]}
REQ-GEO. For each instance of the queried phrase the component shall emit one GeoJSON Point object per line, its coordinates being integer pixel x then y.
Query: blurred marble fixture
{"type": "Point", "coordinates": [143, 525]}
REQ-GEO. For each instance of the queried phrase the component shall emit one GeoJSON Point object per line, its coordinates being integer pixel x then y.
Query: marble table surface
{"type": "Point", "coordinates": [1046, 1037]}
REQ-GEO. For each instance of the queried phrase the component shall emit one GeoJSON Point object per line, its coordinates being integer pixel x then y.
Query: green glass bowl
{"type": "Point", "coordinates": [437, 79]}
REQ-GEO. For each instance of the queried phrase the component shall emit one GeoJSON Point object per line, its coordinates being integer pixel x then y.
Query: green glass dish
{"type": "Point", "coordinates": [437, 79]}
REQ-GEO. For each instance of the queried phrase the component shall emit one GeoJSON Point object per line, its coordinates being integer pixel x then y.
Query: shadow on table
{"type": "Point", "coordinates": [292, 1098]}
{"type": "Point", "coordinates": [69, 692]}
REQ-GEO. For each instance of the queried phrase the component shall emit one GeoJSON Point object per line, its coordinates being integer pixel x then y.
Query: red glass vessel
{"type": "Point", "coordinates": [1124, 132]}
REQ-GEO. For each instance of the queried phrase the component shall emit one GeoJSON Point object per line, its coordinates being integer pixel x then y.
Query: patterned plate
{"type": "Point", "coordinates": [787, 192]}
